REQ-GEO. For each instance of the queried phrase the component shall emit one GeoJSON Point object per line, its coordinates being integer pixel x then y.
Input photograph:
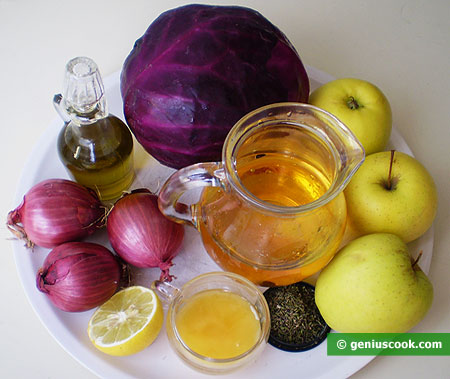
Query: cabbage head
{"type": "Point", "coordinates": [196, 71]}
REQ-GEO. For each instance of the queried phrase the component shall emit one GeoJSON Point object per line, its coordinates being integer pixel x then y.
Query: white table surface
{"type": "Point", "coordinates": [402, 46]}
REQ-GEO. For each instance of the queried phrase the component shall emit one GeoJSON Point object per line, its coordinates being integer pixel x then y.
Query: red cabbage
{"type": "Point", "coordinates": [196, 71]}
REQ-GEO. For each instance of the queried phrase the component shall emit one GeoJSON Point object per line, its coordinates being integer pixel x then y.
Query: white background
{"type": "Point", "coordinates": [401, 46]}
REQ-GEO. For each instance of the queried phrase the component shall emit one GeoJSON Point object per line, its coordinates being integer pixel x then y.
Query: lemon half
{"type": "Point", "coordinates": [128, 322]}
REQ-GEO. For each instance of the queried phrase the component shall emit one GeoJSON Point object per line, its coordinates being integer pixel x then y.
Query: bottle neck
{"type": "Point", "coordinates": [80, 116]}
{"type": "Point", "coordinates": [83, 98]}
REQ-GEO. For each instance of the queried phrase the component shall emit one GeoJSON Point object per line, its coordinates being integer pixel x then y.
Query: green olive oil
{"type": "Point", "coordinates": [99, 155]}
{"type": "Point", "coordinates": [95, 147]}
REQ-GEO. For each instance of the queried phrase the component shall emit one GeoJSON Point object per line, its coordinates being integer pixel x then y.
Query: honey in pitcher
{"type": "Point", "coordinates": [281, 180]}
{"type": "Point", "coordinates": [271, 248]}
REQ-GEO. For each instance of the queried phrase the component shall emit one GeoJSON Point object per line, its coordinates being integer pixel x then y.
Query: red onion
{"type": "Point", "coordinates": [77, 276]}
{"type": "Point", "coordinates": [141, 235]}
{"type": "Point", "coordinates": [55, 211]}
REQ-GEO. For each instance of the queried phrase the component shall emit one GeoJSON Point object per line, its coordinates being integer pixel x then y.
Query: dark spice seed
{"type": "Point", "coordinates": [296, 323]}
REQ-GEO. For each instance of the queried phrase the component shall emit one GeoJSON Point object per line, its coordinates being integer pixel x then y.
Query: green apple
{"type": "Point", "coordinates": [371, 286]}
{"type": "Point", "coordinates": [361, 106]}
{"type": "Point", "coordinates": [392, 192]}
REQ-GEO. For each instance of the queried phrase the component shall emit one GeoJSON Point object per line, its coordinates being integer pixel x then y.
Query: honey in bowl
{"type": "Point", "coordinates": [218, 324]}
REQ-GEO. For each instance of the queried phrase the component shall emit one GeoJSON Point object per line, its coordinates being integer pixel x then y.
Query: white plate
{"type": "Point", "coordinates": [159, 361]}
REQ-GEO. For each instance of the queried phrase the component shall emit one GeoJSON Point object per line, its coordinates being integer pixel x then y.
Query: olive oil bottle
{"type": "Point", "coordinates": [95, 147]}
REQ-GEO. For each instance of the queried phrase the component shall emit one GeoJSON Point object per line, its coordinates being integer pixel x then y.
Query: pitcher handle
{"type": "Point", "coordinates": [209, 174]}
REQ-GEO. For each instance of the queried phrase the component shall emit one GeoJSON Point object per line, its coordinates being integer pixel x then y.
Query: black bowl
{"type": "Point", "coordinates": [322, 329]}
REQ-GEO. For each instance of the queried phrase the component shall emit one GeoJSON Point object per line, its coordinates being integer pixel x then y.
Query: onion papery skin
{"type": "Point", "coordinates": [141, 235]}
{"type": "Point", "coordinates": [55, 211]}
{"type": "Point", "coordinates": [78, 276]}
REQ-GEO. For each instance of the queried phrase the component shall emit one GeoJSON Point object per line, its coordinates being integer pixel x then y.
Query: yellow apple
{"type": "Point", "coordinates": [361, 106]}
{"type": "Point", "coordinates": [371, 286]}
{"type": "Point", "coordinates": [392, 192]}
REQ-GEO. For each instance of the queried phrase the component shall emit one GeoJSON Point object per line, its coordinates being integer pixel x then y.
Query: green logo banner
{"type": "Point", "coordinates": [388, 344]}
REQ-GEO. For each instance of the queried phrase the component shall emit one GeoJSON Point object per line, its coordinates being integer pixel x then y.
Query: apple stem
{"type": "Point", "coordinates": [417, 259]}
{"type": "Point", "coordinates": [352, 103]}
{"type": "Point", "coordinates": [389, 180]}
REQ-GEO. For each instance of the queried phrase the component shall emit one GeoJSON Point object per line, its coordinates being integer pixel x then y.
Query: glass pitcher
{"type": "Point", "coordinates": [273, 210]}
